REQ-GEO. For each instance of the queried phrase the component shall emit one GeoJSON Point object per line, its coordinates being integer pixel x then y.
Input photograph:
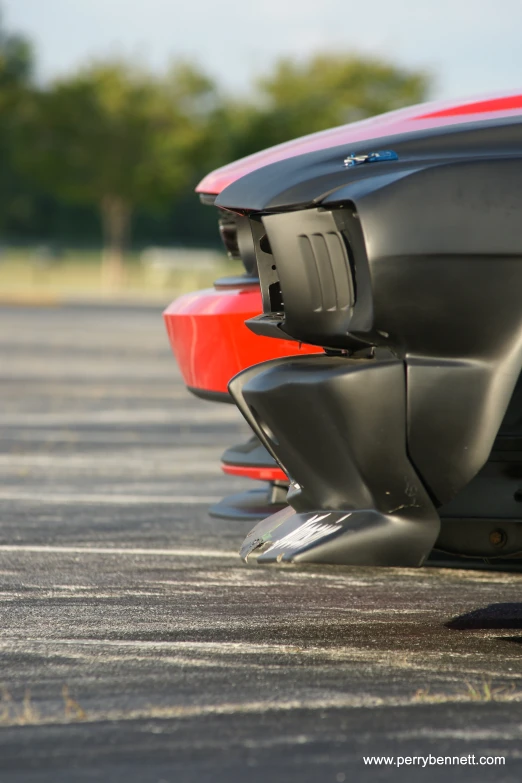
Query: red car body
{"type": "Point", "coordinates": [210, 341]}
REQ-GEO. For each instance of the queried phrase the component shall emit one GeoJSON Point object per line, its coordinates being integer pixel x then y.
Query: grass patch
{"type": "Point", "coordinates": [24, 713]}
{"type": "Point", "coordinates": [76, 274]}
{"type": "Point", "coordinates": [482, 691]}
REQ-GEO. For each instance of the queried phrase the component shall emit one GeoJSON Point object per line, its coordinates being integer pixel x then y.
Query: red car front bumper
{"type": "Point", "coordinates": [211, 343]}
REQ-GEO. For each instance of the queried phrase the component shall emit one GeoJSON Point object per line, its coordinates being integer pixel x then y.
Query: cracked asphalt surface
{"type": "Point", "coordinates": [134, 644]}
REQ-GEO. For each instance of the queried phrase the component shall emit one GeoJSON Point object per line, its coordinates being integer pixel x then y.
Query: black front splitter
{"type": "Point", "coordinates": [253, 504]}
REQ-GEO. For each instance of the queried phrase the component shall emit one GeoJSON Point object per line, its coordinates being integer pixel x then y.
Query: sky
{"type": "Point", "coordinates": [471, 47]}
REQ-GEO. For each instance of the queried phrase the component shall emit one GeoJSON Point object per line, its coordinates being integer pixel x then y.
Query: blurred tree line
{"type": "Point", "coordinates": [112, 144]}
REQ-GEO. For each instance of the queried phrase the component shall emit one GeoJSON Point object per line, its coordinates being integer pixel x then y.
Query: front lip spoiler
{"type": "Point", "coordinates": [350, 502]}
{"type": "Point", "coordinates": [359, 537]}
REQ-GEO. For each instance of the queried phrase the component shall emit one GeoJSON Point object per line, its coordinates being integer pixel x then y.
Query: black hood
{"type": "Point", "coordinates": [307, 180]}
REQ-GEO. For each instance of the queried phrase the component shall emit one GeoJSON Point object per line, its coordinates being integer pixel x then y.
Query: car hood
{"type": "Point", "coordinates": [414, 118]}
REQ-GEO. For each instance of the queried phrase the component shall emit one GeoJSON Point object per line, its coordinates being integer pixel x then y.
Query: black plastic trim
{"type": "Point", "coordinates": [211, 396]}
{"type": "Point", "coordinates": [237, 281]}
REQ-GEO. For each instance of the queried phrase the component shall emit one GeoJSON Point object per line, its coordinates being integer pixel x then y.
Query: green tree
{"type": "Point", "coordinates": [298, 98]}
{"type": "Point", "coordinates": [16, 61]}
{"type": "Point", "coordinates": [333, 89]}
{"type": "Point", "coordinates": [16, 69]}
{"type": "Point", "coordinates": [125, 143]}
{"type": "Point", "coordinates": [16, 65]}
{"type": "Point", "coordinates": [114, 137]}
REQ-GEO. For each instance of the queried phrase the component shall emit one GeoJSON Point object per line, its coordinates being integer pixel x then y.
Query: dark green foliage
{"type": "Point", "coordinates": [111, 134]}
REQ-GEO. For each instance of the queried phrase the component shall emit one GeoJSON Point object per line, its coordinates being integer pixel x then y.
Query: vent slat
{"type": "Point", "coordinates": [341, 270]}
{"type": "Point", "coordinates": [328, 272]}
{"type": "Point", "coordinates": [312, 273]}
{"type": "Point", "coordinates": [325, 271]}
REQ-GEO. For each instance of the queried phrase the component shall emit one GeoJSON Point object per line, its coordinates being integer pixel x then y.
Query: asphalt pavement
{"type": "Point", "coordinates": [134, 644]}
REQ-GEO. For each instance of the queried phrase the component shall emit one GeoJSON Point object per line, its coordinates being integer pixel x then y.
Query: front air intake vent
{"type": "Point", "coordinates": [328, 272]}
{"type": "Point", "coordinates": [308, 278]}
{"type": "Point", "coordinates": [228, 232]}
